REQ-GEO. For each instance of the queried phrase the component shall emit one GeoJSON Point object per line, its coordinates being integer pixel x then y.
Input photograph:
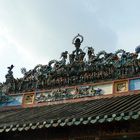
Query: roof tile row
{"type": "Point", "coordinates": [85, 112]}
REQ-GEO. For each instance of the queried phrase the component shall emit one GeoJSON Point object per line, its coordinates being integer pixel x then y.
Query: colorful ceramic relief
{"type": "Point", "coordinates": [43, 96]}
{"type": "Point", "coordinates": [11, 100]}
{"type": "Point", "coordinates": [134, 84]}
{"type": "Point", "coordinates": [28, 99]}
{"type": "Point", "coordinates": [88, 90]}
{"type": "Point", "coordinates": [95, 90]}
{"type": "Point", "coordinates": [73, 92]}
{"type": "Point", "coordinates": [55, 95]}
{"type": "Point", "coordinates": [121, 86]}
{"type": "Point", "coordinates": [17, 100]}
{"type": "Point", "coordinates": [105, 88]}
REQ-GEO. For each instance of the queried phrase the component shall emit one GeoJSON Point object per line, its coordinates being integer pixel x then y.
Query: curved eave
{"type": "Point", "coordinates": [72, 122]}
{"type": "Point", "coordinates": [120, 108]}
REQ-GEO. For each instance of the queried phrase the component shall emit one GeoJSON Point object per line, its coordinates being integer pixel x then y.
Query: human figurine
{"type": "Point", "coordinates": [91, 54]}
{"type": "Point", "coordinates": [77, 42]}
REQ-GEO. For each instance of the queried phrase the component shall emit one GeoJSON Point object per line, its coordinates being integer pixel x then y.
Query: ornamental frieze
{"type": "Point", "coordinates": [80, 67]}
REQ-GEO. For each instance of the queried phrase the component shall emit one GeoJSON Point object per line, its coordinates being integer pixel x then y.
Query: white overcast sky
{"type": "Point", "coordinates": [35, 31]}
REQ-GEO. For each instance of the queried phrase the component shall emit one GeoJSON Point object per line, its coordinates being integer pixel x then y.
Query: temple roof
{"type": "Point", "coordinates": [107, 109]}
{"type": "Point", "coordinates": [88, 88]}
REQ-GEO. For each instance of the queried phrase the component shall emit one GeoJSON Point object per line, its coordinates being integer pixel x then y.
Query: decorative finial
{"type": "Point", "coordinates": [76, 39]}
{"type": "Point", "coordinates": [11, 67]}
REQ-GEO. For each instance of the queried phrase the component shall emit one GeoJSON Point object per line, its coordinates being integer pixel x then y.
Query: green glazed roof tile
{"type": "Point", "coordinates": [110, 119]}
{"type": "Point", "coordinates": [101, 120]}
{"type": "Point", "coordinates": [93, 121]}
{"type": "Point", "coordinates": [126, 117]}
{"type": "Point", "coordinates": [118, 118]}
{"type": "Point", "coordinates": [135, 116]}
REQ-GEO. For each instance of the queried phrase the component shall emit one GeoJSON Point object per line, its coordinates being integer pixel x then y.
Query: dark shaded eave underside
{"type": "Point", "coordinates": [68, 114]}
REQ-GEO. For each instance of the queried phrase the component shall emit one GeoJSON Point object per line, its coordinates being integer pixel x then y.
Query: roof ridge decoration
{"type": "Point", "coordinates": [78, 70]}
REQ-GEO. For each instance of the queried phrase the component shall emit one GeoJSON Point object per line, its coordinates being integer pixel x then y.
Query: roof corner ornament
{"type": "Point", "coordinates": [9, 84]}
{"type": "Point", "coordinates": [9, 77]}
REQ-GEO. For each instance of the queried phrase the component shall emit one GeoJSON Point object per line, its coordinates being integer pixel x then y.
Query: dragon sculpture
{"type": "Point", "coordinates": [75, 69]}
